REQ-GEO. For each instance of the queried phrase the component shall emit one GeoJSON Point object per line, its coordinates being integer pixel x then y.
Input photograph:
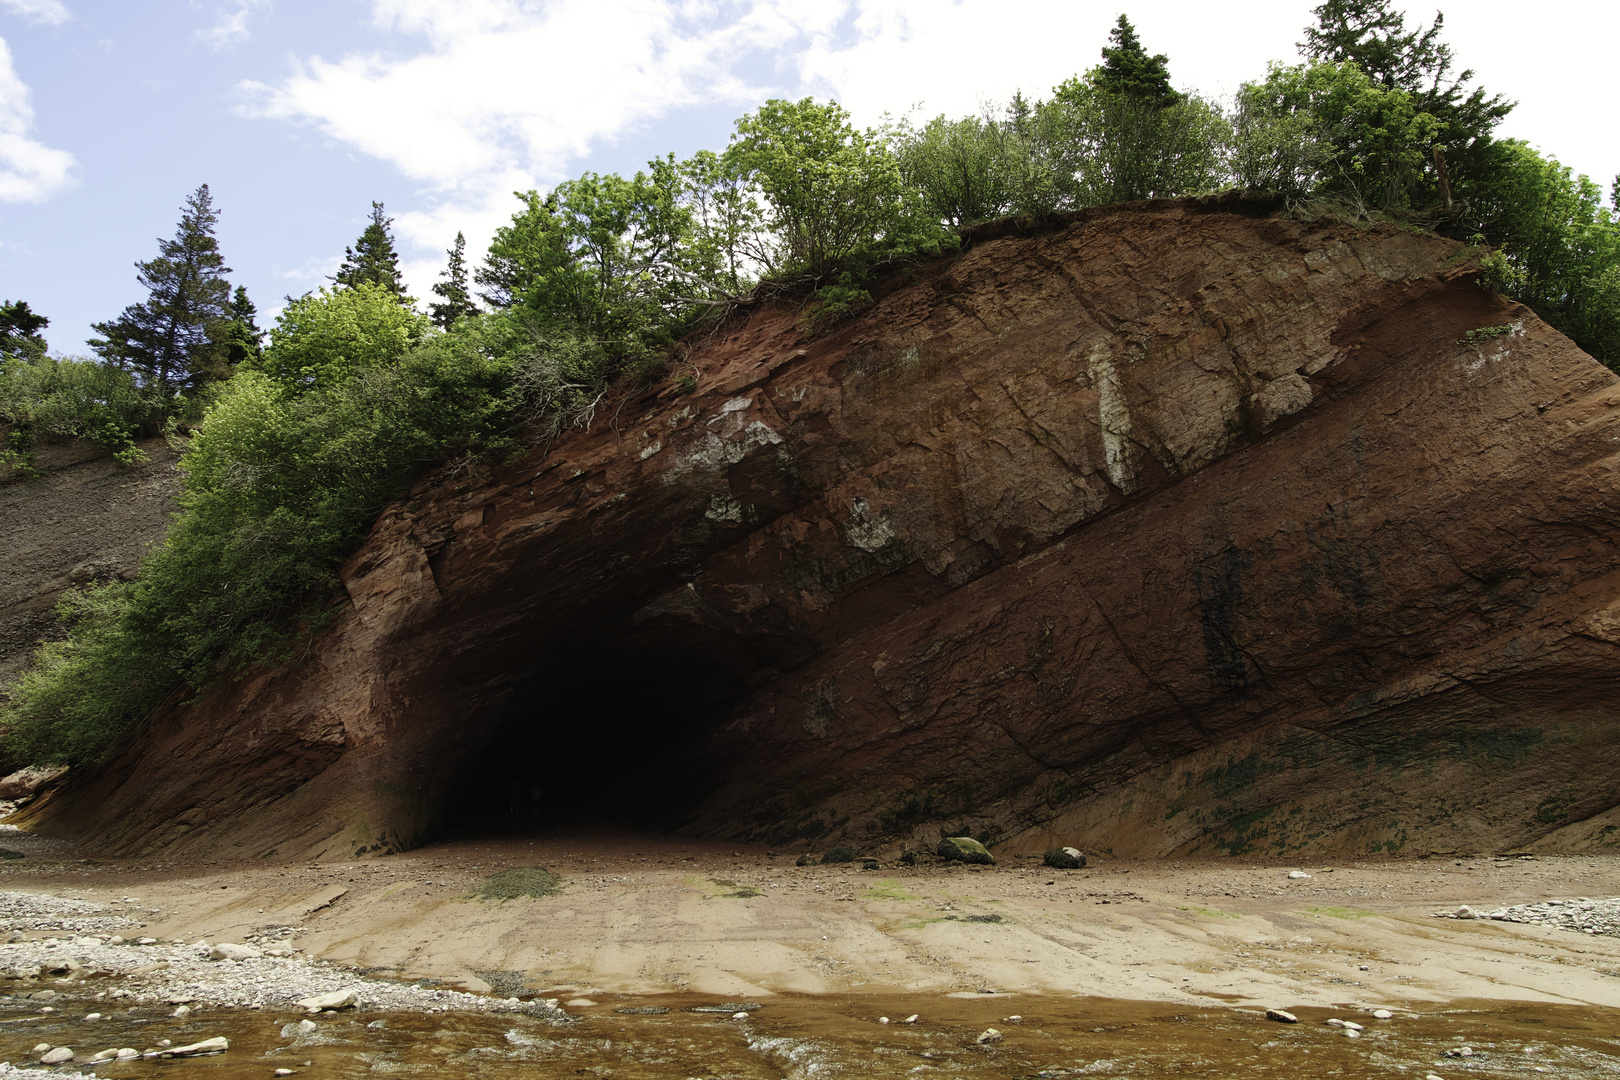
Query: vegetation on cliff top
{"type": "Point", "coordinates": [302, 441]}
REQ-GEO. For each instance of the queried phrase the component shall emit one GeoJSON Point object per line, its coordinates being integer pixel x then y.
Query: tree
{"type": "Point", "coordinates": [1128, 69]}
{"type": "Point", "coordinates": [1373, 36]}
{"type": "Point", "coordinates": [457, 301]}
{"type": "Point", "coordinates": [322, 338]}
{"type": "Point", "coordinates": [243, 337]}
{"type": "Point", "coordinates": [373, 260]}
{"type": "Point", "coordinates": [176, 337]}
{"type": "Point", "coordinates": [530, 247]}
{"type": "Point", "coordinates": [20, 331]}
{"type": "Point", "coordinates": [962, 168]}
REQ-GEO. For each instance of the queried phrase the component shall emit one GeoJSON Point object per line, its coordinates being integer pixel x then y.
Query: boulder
{"type": "Point", "coordinates": [59, 1056]}
{"type": "Point", "coordinates": [1064, 858]}
{"type": "Point", "coordinates": [965, 849]}
{"type": "Point", "coordinates": [25, 782]}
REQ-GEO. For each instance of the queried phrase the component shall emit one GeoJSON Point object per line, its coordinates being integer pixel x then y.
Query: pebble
{"type": "Point", "coordinates": [912, 1019]}
{"type": "Point", "coordinates": [338, 999]}
{"type": "Point", "coordinates": [228, 950]}
{"type": "Point", "coordinates": [92, 1016]}
{"type": "Point", "coordinates": [40, 1049]}
{"type": "Point", "coordinates": [987, 1036]}
{"type": "Point", "coordinates": [1281, 1016]}
{"type": "Point", "coordinates": [883, 1019]}
{"type": "Point", "coordinates": [1335, 1022]}
{"type": "Point", "coordinates": [1383, 1014]}
{"type": "Point", "coordinates": [1298, 875]}
{"type": "Point", "coordinates": [282, 1072]}
{"type": "Point", "coordinates": [739, 1016]}
{"type": "Point", "coordinates": [182, 1012]}
{"type": "Point", "coordinates": [59, 1056]}
{"type": "Point", "coordinates": [1460, 1051]}
{"type": "Point", "coordinates": [1351, 1033]}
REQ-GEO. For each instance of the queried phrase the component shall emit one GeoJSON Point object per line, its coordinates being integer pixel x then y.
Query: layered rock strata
{"type": "Point", "coordinates": [1180, 528]}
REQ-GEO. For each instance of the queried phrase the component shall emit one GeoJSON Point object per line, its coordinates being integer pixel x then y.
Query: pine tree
{"type": "Point", "coordinates": [174, 338]}
{"type": "Point", "coordinates": [1128, 69]}
{"type": "Point", "coordinates": [457, 301]}
{"type": "Point", "coordinates": [243, 337]}
{"type": "Point", "coordinates": [373, 259]}
{"type": "Point", "coordinates": [20, 331]}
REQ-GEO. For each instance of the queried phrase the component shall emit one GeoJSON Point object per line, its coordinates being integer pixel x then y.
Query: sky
{"type": "Point", "coordinates": [298, 114]}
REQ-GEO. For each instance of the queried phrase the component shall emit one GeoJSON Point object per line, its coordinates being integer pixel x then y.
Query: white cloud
{"type": "Point", "coordinates": [30, 171]}
{"type": "Point", "coordinates": [49, 12]}
{"type": "Point", "coordinates": [233, 27]}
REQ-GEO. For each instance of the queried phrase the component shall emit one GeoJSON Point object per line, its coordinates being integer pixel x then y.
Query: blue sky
{"type": "Point", "coordinates": [299, 113]}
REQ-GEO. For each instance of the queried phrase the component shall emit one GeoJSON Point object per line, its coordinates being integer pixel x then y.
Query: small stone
{"type": "Point", "coordinates": [282, 1072]}
{"type": "Point", "coordinates": [306, 1026]}
{"type": "Point", "coordinates": [1464, 912]}
{"type": "Point", "coordinates": [1281, 1016]}
{"type": "Point", "coordinates": [1013, 1019]}
{"type": "Point", "coordinates": [92, 1016]}
{"type": "Point", "coordinates": [40, 1049]}
{"type": "Point", "coordinates": [43, 995]}
{"type": "Point", "coordinates": [988, 1036]}
{"type": "Point", "coordinates": [146, 941]}
{"type": "Point", "coordinates": [1298, 875]}
{"type": "Point", "coordinates": [1432, 1076]}
{"type": "Point", "coordinates": [338, 999]}
{"type": "Point", "coordinates": [227, 950]}
{"type": "Point", "coordinates": [182, 1012]}
{"type": "Point", "coordinates": [104, 1055]}
{"type": "Point", "coordinates": [127, 1052]}
{"type": "Point", "coordinates": [912, 1019]}
{"type": "Point", "coordinates": [579, 1003]}
{"type": "Point", "coordinates": [1351, 1025]}
{"type": "Point", "coordinates": [1335, 1022]}
{"type": "Point", "coordinates": [1363, 967]}
{"type": "Point", "coordinates": [1383, 1014]}
{"type": "Point", "coordinates": [60, 1056]}
{"type": "Point", "coordinates": [883, 1019]}
{"type": "Point", "coordinates": [1351, 1033]}
{"type": "Point", "coordinates": [739, 1016]}
{"type": "Point", "coordinates": [115, 940]}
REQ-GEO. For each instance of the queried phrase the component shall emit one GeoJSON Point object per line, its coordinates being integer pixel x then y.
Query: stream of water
{"type": "Point", "coordinates": [840, 1036]}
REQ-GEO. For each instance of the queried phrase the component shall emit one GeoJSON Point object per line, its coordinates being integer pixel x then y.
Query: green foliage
{"type": "Point", "coordinates": [372, 260]}
{"type": "Point", "coordinates": [72, 398]}
{"type": "Point", "coordinates": [1123, 146]}
{"type": "Point", "coordinates": [1374, 141]}
{"type": "Point", "coordinates": [20, 331]}
{"type": "Point", "coordinates": [456, 300]}
{"type": "Point", "coordinates": [1129, 71]}
{"type": "Point", "coordinates": [179, 336]}
{"type": "Point", "coordinates": [963, 169]}
{"type": "Point", "coordinates": [837, 201]}
{"type": "Point", "coordinates": [325, 337]}
{"type": "Point", "coordinates": [243, 338]}
{"type": "Point", "coordinates": [1559, 247]}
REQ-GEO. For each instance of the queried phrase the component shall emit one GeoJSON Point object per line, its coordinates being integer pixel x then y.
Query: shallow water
{"type": "Point", "coordinates": [839, 1036]}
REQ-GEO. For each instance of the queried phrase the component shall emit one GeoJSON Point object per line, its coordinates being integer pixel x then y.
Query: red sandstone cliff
{"type": "Point", "coordinates": [1176, 529]}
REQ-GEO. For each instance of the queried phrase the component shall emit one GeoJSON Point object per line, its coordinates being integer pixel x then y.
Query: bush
{"type": "Point", "coordinates": [83, 399]}
{"type": "Point", "coordinates": [281, 483]}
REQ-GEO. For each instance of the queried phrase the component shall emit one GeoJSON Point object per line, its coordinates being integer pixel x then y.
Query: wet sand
{"type": "Point", "coordinates": [644, 915]}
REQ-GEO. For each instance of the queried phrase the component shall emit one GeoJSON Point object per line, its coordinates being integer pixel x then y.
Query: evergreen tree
{"type": "Point", "coordinates": [373, 259]}
{"type": "Point", "coordinates": [1128, 69]}
{"type": "Point", "coordinates": [175, 338]}
{"type": "Point", "coordinates": [1371, 34]}
{"type": "Point", "coordinates": [457, 301]}
{"type": "Point", "coordinates": [20, 331]}
{"type": "Point", "coordinates": [243, 337]}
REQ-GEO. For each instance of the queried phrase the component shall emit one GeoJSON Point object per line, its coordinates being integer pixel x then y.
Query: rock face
{"type": "Point", "coordinates": [88, 519]}
{"type": "Point", "coordinates": [1181, 528]}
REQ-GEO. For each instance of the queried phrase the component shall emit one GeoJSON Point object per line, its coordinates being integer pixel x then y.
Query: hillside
{"type": "Point", "coordinates": [1181, 528]}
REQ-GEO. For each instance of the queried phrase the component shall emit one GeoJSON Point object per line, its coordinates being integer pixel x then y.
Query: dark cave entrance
{"type": "Point", "coordinates": [607, 733]}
